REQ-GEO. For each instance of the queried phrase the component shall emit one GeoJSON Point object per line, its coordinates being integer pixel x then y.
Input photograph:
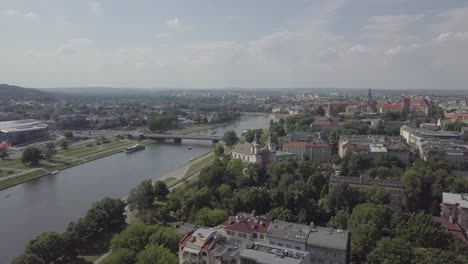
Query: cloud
{"type": "Point", "coordinates": [31, 15]}
{"type": "Point", "coordinates": [175, 23]}
{"type": "Point", "coordinates": [12, 12]}
{"type": "Point", "coordinates": [74, 46]}
{"type": "Point", "coordinates": [391, 24]}
{"type": "Point", "coordinates": [163, 36]}
{"type": "Point", "coordinates": [95, 8]}
{"type": "Point", "coordinates": [455, 19]}
{"type": "Point", "coordinates": [452, 36]}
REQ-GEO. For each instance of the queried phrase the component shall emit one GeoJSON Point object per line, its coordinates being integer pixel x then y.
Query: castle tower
{"type": "Point", "coordinates": [406, 104]}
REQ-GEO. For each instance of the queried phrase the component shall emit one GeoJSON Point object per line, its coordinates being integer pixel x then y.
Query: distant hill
{"type": "Point", "coordinates": [100, 91]}
{"type": "Point", "coordinates": [8, 92]}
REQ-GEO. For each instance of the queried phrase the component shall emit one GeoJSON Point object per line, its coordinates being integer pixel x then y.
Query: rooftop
{"type": "Point", "coordinates": [21, 125]}
{"type": "Point", "coordinates": [269, 254]}
{"type": "Point", "coordinates": [455, 198]}
{"type": "Point", "coordinates": [247, 223]}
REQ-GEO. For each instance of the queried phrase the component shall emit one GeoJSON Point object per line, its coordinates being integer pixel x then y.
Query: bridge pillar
{"type": "Point", "coordinates": [215, 141]}
{"type": "Point", "coordinates": [177, 140]}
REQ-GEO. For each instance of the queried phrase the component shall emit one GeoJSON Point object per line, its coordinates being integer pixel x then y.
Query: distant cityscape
{"type": "Point", "coordinates": [337, 177]}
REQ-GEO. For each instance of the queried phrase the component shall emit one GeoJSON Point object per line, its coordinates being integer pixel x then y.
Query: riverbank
{"type": "Point", "coordinates": [185, 172]}
{"type": "Point", "coordinates": [64, 159]}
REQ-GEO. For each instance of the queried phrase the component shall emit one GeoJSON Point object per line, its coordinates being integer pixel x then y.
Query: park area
{"type": "Point", "coordinates": [14, 171]}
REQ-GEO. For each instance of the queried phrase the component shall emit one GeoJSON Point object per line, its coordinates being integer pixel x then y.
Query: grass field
{"type": "Point", "coordinates": [65, 158]}
{"type": "Point", "coordinates": [169, 180]}
{"type": "Point", "coordinates": [22, 178]}
{"type": "Point", "coordinates": [200, 164]}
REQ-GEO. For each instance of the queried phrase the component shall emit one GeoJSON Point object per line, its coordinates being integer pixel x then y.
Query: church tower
{"type": "Point", "coordinates": [270, 145]}
{"type": "Point", "coordinates": [255, 147]}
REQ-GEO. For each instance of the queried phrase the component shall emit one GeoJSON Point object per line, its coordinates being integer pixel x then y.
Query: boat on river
{"type": "Point", "coordinates": [134, 148]}
{"type": "Point", "coordinates": [189, 147]}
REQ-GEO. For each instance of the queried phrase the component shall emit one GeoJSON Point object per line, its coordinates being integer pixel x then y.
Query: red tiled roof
{"type": "Point", "coordinates": [247, 224]}
{"type": "Point", "coordinates": [457, 115]}
{"type": "Point", "coordinates": [453, 229]}
{"type": "Point", "coordinates": [391, 106]}
{"type": "Point", "coordinates": [301, 144]}
{"type": "Point", "coordinates": [420, 102]}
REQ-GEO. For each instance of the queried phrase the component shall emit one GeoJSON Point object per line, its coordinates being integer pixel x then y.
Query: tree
{"type": "Point", "coordinates": [120, 256]}
{"type": "Point", "coordinates": [209, 217]}
{"type": "Point", "coordinates": [160, 190]}
{"type": "Point", "coordinates": [280, 213]}
{"type": "Point", "coordinates": [142, 196]}
{"type": "Point", "coordinates": [68, 135]}
{"type": "Point", "coordinates": [230, 138]}
{"type": "Point", "coordinates": [392, 251]}
{"type": "Point", "coordinates": [341, 197]}
{"type": "Point", "coordinates": [250, 134]}
{"type": "Point", "coordinates": [437, 256]}
{"type": "Point", "coordinates": [107, 214]}
{"type": "Point", "coordinates": [377, 195]}
{"type": "Point", "coordinates": [3, 153]}
{"type": "Point", "coordinates": [421, 231]}
{"type": "Point", "coordinates": [64, 143]}
{"type": "Point", "coordinates": [27, 258]}
{"type": "Point", "coordinates": [218, 150]}
{"type": "Point", "coordinates": [389, 160]}
{"type": "Point", "coordinates": [156, 254]}
{"type": "Point", "coordinates": [32, 155]}
{"type": "Point", "coordinates": [134, 238]}
{"type": "Point", "coordinates": [50, 247]}
{"type": "Point", "coordinates": [235, 168]}
{"type": "Point", "coordinates": [340, 220]}
{"type": "Point", "coordinates": [368, 223]}
{"type": "Point", "coordinates": [49, 150]}
{"type": "Point", "coordinates": [166, 236]}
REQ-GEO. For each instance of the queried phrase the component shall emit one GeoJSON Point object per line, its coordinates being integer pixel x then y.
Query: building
{"type": "Point", "coordinates": [454, 209]}
{"type": "Point", "coordinates": [453, 152]}
{"type": "Point", "coordinates": [390, 108]}
{"type": "Point", "coordinates": [374, 146]}
{"type": "Point", "coordinates": [334, 108]}
{"type": "Point", "coordinates": [324, 245]}
{"type": "Point", "coordinates": [195, 247]}
{"type": "Point", "coordinates": [260, 253]}
{"type": "Point", "coordinates": [254, 153]}
{"type": "Point", "coordinates": [22, 131]}
{"type": "Point", "coordinates": [363, 183]}
{"type": "Point", "coordinates": [244, 226]}
{"type": "Point", "coordinates": [302, 136]}
{"type": "Point", "coordinates": [323, 125]}
{"type": "Point", "coordinates": [317, 150]}
{"type": "Point", "coordinates": [415, 136]}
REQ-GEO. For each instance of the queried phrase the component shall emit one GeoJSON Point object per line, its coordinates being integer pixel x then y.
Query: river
{"type": "Point", "coordinates": [51, 202]}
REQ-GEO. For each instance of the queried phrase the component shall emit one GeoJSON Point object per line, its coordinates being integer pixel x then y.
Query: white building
{"type": "Point", "coordinates": [255, 153]}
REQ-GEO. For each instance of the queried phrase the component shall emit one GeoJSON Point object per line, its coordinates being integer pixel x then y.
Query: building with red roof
{"type": "Point", "coordinates": [244, 226]}
{"type": "Point", "coordinates": [195, 246]}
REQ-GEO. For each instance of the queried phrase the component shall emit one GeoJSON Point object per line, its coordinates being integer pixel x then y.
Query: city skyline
{"type": "Point", "coordinates": [383, 44]}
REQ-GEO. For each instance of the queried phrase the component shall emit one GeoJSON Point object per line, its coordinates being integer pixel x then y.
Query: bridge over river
{"type": "Point", "coordinates": [178, 138]}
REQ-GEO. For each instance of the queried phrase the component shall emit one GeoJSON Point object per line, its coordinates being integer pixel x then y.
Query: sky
{"type": "Point", "coordinates": [380, 44]}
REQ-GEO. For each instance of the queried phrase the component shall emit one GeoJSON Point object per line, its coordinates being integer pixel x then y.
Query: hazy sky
{"type": "Point", "coordinates": [235, 43]}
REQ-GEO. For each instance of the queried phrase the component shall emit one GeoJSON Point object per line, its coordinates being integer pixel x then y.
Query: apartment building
{"type": "Point", "coordinates": [362, 183]}
{"type": "Point", "coordinates": [317, 150]}
{"type": "Point", "coordinates": [454, 209]}
{"type": "Point", "coordinates": [324, 245]}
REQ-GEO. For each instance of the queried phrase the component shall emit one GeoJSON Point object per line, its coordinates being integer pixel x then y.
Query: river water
{"type": "Point", "coordinates": [51, 202]}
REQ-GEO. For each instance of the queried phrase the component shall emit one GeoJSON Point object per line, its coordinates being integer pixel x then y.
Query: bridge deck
{"type": "Point", "coordinates": [194, 137]}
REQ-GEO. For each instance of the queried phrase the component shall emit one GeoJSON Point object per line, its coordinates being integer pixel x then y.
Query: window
{"type": "Point", "coordinates": [262, 236]}
{"type": "Point", "coordinates": [298, 248]}
{"type": "Point", "coordinates": [239, 234]}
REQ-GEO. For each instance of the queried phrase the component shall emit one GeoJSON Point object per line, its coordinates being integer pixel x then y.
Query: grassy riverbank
{"type": "Point", "coordinates": [65, 158]}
